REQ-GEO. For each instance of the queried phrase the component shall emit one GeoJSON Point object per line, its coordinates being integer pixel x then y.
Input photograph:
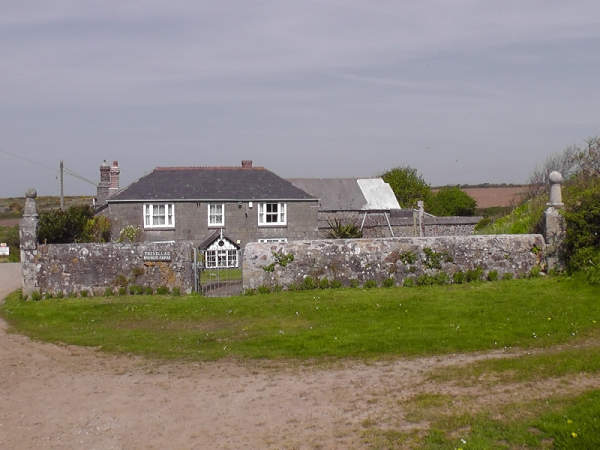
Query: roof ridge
{"type": "Point", "coordinates": [167, 168]}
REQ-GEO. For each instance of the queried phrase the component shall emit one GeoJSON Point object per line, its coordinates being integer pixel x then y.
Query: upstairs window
{"type": "Point", "coordinates": [216, 215]}
{"type": "Point", "coordinates": [159, 215]}
{"type": "Point", "coordinates": [272, 214]}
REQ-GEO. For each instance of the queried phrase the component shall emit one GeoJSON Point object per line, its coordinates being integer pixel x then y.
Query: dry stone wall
{"type": "Point", "coordinates": [73, 268]}
{"type": "Point", "coordinates": [380, 259]}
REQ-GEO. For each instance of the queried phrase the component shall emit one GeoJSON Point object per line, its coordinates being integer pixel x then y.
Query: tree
{"type": "Point", "coordinates": [451, 201]}
{"type": "Point", "coordinates": [61, 227]}
{"type": "Point", "coordinates": [408, 185]}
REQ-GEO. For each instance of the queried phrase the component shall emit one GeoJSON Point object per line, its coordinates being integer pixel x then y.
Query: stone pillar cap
{"type": "Point", "coordinates": [555, 177]}
{"type": "Point", "coordinates": [31, 193]}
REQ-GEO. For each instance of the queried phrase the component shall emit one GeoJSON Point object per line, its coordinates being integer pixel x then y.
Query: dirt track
{"type": "Point", "coordinates": [56, 396]}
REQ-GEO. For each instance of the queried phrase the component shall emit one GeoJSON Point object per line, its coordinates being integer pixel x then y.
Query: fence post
{"type": "Point", "coordinates": [421, 215]}
{"type": "Point", "coordinates": [28, 235]}
{"type": "Point", "coordinates": [554, 223]}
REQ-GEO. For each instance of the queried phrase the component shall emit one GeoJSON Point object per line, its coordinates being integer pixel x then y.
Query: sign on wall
{"type": "Point", "coordinates": [4, 249]}
{"type": "Point", "coordinates": [157, 255]}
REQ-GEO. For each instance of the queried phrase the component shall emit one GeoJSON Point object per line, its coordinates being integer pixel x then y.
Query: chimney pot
{"type": "Point", "coordinates": [247, 163]}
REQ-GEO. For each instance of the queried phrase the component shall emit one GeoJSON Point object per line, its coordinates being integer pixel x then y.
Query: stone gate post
{"type": "Point", "coordinates": [28, 235]}
{"type": "Point", "coordinates": [554, 222]}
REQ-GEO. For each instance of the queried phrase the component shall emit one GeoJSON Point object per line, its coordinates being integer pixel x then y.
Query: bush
{"type": "Point", "coordinates": [176, 292]}
{"type": "Point", "coordinates": [369, 284]}
{"type": "Point", "coordinates": [122, 290]}
{"type": "Point", "coordinates": [451, 201]}
{"type": "Point", "coordinates": [36, 296]}
{"type": "Point", "coordinates": [262, 289]}
{"type": "Point", "coordinates": [308, 283]}
{"type": "Point", "coordinates": [408, 282]}
{"type": "Point", "coordinates": [108, 292]}
{"type": "Point", "coordinates": [508, 276]}
{"type": "Point", "coordinates": [425, 280]}
{"type": "Point", "coordinates": [48, 295]}
{"type": "Point", "coordinates": [458, 277]}
{"type": "Point", "coordinates": [130, 234]}
{"type": "Point", "coordinates": [58, 294]}
{"type": "Point", "coordinates": [335, 284]}
{"type": "Point", "coordinates": [60, 227]}
{"type": "Point", "coordinates": [72, 294]}
{"type": "Point", "coordinates": [96, 229]}
{"type": "Point", "coordinates": [492, 275]}
{"type": "Point", "coordinates": [121, 280]}
{"type": "Point", "coordinates": [441, 278]}
{"type": "Point", "coordinates": [136, 290]}
{"type": "Point", "coordinates": [148, 290]}
{"type": "Point", "coordinates": [250, 292]}
{"type": "Point", "coordinates": [162, 290]}
{"type": "Point", "coordinates": [389, 282]}
{"type": "Point", "coordinates": [354, 283]}
{"type": "Point", "coordinates": [474, 275]}
{"type": "Point", "coordinates": [83, 293]}
{"type": "Point", "coordinates": [324, 283]}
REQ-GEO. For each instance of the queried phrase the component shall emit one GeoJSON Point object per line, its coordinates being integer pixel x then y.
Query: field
{"type": "Point", "coordinates": [487, 365]}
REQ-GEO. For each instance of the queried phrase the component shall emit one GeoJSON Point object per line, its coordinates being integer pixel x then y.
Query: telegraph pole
{"type": "Point", "coordinates": [62, 190]}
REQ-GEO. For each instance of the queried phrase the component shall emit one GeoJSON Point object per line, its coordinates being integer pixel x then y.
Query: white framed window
{"type": "Point", "coordinates": [220, 258]}
{"type": "Point", "coordinates": [272, 214]}
{"type": "Point", "coordinates": [159, 215]}
{"type": "Point", "coordinates": [274, 240]}
{"type": "Point", "coordinates": [216, 215]}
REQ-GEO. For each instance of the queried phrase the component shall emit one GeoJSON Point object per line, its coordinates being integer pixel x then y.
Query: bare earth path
{"type": "Point", "coordinates": [55, 396]}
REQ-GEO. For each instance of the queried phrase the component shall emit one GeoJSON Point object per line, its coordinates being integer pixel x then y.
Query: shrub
{"type": "Point", "coordinates": [474, 275]}
{"type": "Point", "coordinates": [137, 271]}
{"type": "Point", "coordinates": [136, 290]}
{"type": "Point", "coordinates": [354, 283]}
{"type": "Point", "coordinates": [250, 292]}
{"type": "Point", "coordinates": [340, 230]}
{"type": "Point", "coordinates": [492, 275]}
{"type": "Point", "coordinates": [407, 257]}
{"type": "Point", "coordinates": [370, 284]}
{"type": "Point", "coordinates": [425, 280]}
{"type": "Point", "coordinates": [293, 287]}
{"type": "Point", "coordinates": [96, 229]}
{"type": "Point", "coordinates": [58, 294]}
{"type": "Point", "coordinates": [483, 223]}
{"type": "Point", "coordinates": [276, 288]}
{"type": "Point", "coordinates": [262, 289]}
{"type": "Point", "coordinates": [59, 227]}
{"type": "Point", "coordinates": [535, 272]}
{"type": "Point", "coordinates": [176, 291]}
{"type": "Point", "coordinates": [148, 290]}
{"type": "Point", "coordinates": [508, 276]}
{"type": "Point", "coordinates": [389, 282]}
{"type": "Point", "coordinates": [72, 294]}
{"type": "Point", "coordinates": [441, 278]}
{"type": "Point", "coordinates": [48, 295]}
{"type": "Point", "coordinates": [121, 280]}
{"type": "Point", "coordinates": [451, 201]}
{"type": "Point", "coordinates": [458, 277]}
{"type": "Point", "coordinates": [162, 290]}
{"type": "Point", "coordinates": [130, 234]}
{"type": "Point", "coordinates": [36, 296]}
{"type": "Point", "coordinates": [308, 283]}
{"type": "Point", "coordinates": [324, 283]}
{"type": "Point", "coordinates": [83, 293]}
{"type": "Point", "coordinates": [122, 290]}
{"type": "Point", "coordinates": [433, 259]}
{"type": "Point", "coordinates": [108, 292]}
{"type": "Point", "coordinates": [335, 284]}
{"type": "Point", "coordinates": [408, 282]}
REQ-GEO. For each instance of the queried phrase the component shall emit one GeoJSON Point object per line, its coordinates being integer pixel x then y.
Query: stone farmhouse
{"type": "Point", "coordinates": [220, 209]}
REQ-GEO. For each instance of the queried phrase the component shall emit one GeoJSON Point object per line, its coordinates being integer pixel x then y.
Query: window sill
{"type": "Point", "coordinates": [272, 225]}
{"type": "Point", "coordinates": [216, 226]}
{"type": "Point", "coordinates": [159, 228]}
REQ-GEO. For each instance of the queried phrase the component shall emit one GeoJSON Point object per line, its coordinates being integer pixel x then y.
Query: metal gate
{"type": "Point", "coordinates": [217, 281]}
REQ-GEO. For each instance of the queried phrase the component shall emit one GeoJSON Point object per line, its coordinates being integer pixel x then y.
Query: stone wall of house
{"type": "Point", "coordinates": [398, 258]}
{"type": "Point", "coordinates": [72, 268]}
{"type": "Point", "coordinates": [404, 223]}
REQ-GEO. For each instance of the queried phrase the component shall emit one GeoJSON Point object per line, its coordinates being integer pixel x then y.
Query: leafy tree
{"type": "Point", "coordinates": [408, 185]}
{"type": "Point", "coordinates": [96, 229]}
{"type": "Point", "coordinates": [451, 201]}
{"type": "Point", "coordinates": [61, 227]}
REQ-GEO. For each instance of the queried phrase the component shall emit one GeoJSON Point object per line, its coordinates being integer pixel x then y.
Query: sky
{"type": "Point", "coordinates": [465, 91]}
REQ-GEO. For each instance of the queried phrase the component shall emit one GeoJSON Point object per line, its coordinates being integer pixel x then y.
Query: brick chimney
{"type": "Point", "coordinates": [114, 178]}
{"type": "Point", "coordinates": [102, 192]}
{"type": "Point", "coordinates": [247, 163]}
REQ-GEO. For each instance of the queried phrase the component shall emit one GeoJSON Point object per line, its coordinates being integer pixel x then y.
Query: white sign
{"type": "Point", "coordinates": [4, 249]}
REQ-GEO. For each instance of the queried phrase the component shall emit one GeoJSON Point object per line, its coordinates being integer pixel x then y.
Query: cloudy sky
{"type": "Point", "coordinates": [466, 91]}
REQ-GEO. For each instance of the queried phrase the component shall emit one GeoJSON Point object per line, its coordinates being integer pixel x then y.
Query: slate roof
{"type": "Point", "coordinates": [349, 194]}
{"type": "Point", "coordinates": [210, 183]}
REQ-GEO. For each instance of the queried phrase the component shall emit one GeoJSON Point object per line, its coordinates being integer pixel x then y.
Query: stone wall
{"type": "Point", "coordinates": [398, 258]}
{"type": "Point", "coordinates": [404, 223]}
{"type": "Point", "coordinates": [72, 268]}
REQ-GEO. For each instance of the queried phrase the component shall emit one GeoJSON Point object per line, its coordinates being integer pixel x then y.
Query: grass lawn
{"type": "Point", "coordinates": [361, 323]}
{"type": "Point", "coordinates": [213, 275]}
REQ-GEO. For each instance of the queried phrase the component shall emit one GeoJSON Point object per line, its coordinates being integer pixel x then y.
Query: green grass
{"type": "Point", "coordinates": [521, 220]}
{"type": "Point", "coordinates": [356, 323]}
{"type": "Point", "coordinates": [524, 368]}
{"type": "Point", "coordinates": [212, 275]}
